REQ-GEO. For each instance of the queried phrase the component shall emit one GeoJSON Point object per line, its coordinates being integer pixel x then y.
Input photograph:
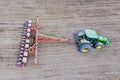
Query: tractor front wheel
{"type": "Point", "coordinates": [99, 45]}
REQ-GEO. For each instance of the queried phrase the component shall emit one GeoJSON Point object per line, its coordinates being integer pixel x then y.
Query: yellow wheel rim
{"type": "Point", "coordinates": [85, 50]}
{"type": "Point", "coordinates": [99, 47]}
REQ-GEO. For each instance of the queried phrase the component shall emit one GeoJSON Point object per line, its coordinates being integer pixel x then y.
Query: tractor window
{"type": "Point", "coordinates": [81, 37]}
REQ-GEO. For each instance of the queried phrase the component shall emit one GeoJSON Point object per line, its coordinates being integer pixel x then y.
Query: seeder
{"type": "Point", "coordinates": [30, 40]}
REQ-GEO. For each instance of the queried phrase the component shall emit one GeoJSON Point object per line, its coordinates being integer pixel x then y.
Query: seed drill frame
{"type": "Point", "coordinates": [30, 40]}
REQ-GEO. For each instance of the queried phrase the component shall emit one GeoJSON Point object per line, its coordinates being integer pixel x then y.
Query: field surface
{"type": "Point", "coordinates": [60, 18]}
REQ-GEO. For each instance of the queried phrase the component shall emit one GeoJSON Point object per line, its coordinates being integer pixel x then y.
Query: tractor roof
{"type": "Point", "coordinates": [91, 33]}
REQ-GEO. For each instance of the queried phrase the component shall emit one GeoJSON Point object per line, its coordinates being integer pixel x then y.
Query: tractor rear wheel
{"type": "Point", "coordinates": [85, 48]}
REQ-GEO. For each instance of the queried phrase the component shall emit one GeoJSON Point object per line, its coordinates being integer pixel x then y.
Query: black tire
{"type": "Point", "coordinates": [33, 33]}
{"type": "Point", "coordinates": [32, 37]}
{"type": "Point", "coordinates": [99, 45]}
{"type": "Point", "coordinates": [85, 48]}
{"type": "Point", "coordinates": [31, 41]}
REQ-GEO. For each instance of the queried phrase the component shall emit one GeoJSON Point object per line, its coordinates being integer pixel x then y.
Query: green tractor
{"type": "Point", "coordinates": [85, 39]}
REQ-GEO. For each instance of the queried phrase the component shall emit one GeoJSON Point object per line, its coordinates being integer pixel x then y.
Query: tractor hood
{"type": "Point", "coordinates": [103, 39]}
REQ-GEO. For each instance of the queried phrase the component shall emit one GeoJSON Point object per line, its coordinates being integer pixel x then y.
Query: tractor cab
{"type": "Point", "coordinates": [90, 35]}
